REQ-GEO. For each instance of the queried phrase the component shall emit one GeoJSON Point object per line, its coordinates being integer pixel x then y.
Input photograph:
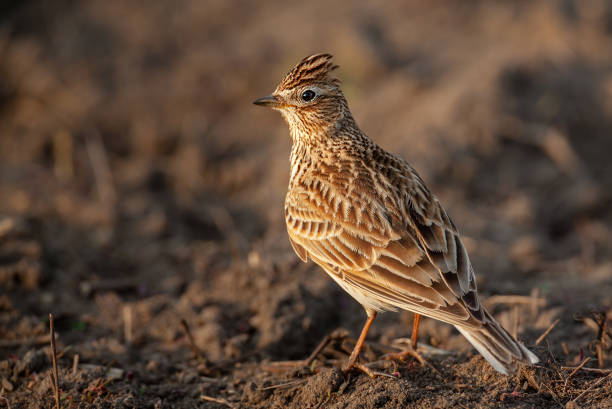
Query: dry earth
{"type": "Point", "coordinates": [140, 189]}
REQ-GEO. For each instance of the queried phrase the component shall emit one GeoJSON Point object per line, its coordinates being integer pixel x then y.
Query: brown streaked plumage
{"type": "Point", "coordinates": [366, 217]}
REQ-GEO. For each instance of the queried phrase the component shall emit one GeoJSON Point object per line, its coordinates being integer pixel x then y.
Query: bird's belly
{"type": "Point", "coordinates": [363, 297]}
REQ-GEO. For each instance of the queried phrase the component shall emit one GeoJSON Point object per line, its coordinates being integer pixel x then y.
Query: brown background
{"type": "Point", "coordinates": [139, 187]}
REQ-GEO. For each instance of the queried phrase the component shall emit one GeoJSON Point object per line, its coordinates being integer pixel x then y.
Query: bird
{"type": "Point", "coordinates": [368, 220]}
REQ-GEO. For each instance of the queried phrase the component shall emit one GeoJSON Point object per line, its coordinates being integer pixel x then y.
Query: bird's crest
{"type": "Point", "coordinates": [315, 68]}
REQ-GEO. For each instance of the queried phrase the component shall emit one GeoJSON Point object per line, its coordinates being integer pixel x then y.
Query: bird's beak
{"type": "Point", "coordinates": [269, 101]}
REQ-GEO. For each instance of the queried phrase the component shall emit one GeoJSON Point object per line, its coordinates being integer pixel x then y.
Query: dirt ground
{"type": "Point", "coordinates": [141, 200]}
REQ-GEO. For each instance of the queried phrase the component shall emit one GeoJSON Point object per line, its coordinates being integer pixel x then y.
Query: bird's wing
{"type": "Point", "coordinates": [418, 264]}
{"type": "Point", "coordinates": [442, 244]}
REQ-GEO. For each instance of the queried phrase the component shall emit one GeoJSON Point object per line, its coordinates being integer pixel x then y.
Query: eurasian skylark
{"type": "Point", "coordinates": [366, 217]}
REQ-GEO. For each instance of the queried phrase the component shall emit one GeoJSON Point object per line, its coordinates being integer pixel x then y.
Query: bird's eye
{"type": "Point", "coordinates": [308, 95]}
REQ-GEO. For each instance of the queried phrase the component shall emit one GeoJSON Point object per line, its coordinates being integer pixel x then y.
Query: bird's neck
{"type": "Point", "coordinates": [300, 159]}
{"type": "Point", "coordinates": [324, 146]}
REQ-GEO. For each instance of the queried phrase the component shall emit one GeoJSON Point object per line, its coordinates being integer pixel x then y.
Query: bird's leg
{"type": "Point", "coordinates": [414, 339]}
{"type": "Point", "coordinates": [355, 354]}
{"type": "Point", "coordinates": [401, 356]}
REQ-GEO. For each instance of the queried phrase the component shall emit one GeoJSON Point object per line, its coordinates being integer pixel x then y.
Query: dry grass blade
{"type": "Point", "coordinates": [216, 400]}
{"type": "Point", "coordinates": [283, 385]}
{"type": "Point", "coordinates": [54, 360]}
{"type": "Point", "coordinates": [545, 333]}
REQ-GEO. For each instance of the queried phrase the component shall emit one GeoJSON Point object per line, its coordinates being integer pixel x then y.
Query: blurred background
{"type": "Point", "coordinates": [139, 186]}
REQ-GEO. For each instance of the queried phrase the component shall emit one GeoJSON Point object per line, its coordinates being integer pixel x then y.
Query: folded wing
{"type": "Point", "coordinates": [387, 258]}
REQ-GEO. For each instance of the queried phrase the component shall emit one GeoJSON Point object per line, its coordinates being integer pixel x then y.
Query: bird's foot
{"type": "Point", "coordinates": [366, 370]}
{"type": "Point", "coordinates": [403, 355]}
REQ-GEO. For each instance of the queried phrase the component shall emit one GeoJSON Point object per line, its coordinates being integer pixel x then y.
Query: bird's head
{"type": "Point", "coordinates": [309, 97]}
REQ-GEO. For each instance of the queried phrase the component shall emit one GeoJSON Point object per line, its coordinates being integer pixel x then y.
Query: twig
{"type": "Point", "coordinates": [128, 332]}
{"type": "Point", "coordinates": [286, 365]}
{"type": "Point", "coordinates": [578, 368]}
{"type": "Point", "coordinates": [54, 360]}
{"type": "Point", "coordinates": [600, 320]}
{"type": "Point", "coordinates": [600, 361]}
{"type": "Point", "coordinates": [61, 353]}
{"type": "Point", "coordinates": [602, 341]}
{"type": "Point", "coordinates": [333, 336]}
{"type": "Point", "coordinates": [317, 350]}
{"type": "Point", "coordinates": [595, 370]}
{"type": "Point", "coordinates": [282, 366]}
{"type": "Point", "coordinates": [192, 343]}
{"type": "Point", "coordinates": [565, 349]}
{"type": "Point", "coordinates": [589, 388]}
{"type": "Point", "coordinates": [75, 363]}
{"type": "Point", "coordinates": [217, 400]}
{"type": "Point", "coordinates": [550, 328]}
{"type": "Point", "coordinates": [372, 374]}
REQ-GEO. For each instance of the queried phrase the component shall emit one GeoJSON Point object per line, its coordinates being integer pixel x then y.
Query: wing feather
{"type": "Point", "coordinates": [387, 257]}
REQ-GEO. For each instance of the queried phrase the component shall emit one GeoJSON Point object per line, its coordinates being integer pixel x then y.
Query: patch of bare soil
{"type": "Point", "coordinates": [141, 200]}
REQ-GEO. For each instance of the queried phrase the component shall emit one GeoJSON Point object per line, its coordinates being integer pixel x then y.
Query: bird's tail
{"type": "Point", "coordinates": [498, 347]}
